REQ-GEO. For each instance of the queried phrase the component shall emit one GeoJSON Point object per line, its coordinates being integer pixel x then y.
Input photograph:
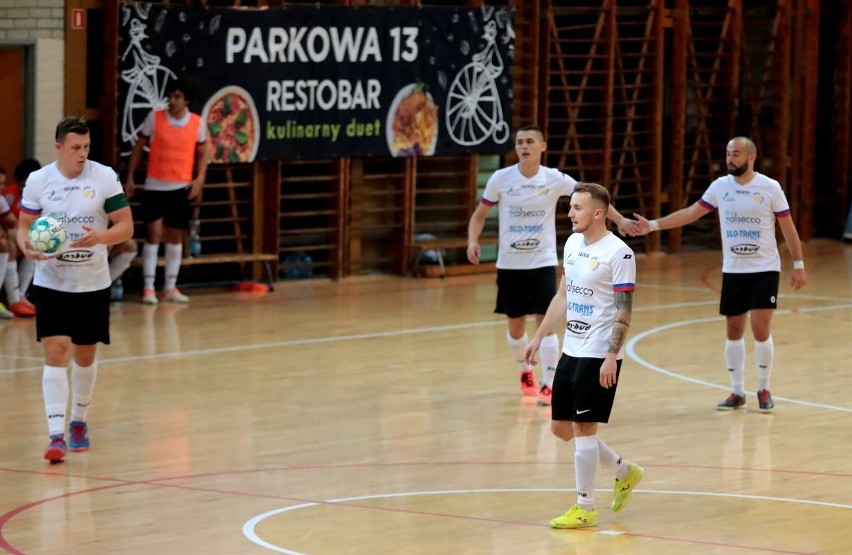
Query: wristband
{"type": "Point", "coordinates": [654, 225]}
{"type": "Point", "coordinates": [798, 264]}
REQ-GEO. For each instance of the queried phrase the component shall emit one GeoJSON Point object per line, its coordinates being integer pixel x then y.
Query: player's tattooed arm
{"type": "Point", "coordinates": [624, 304]}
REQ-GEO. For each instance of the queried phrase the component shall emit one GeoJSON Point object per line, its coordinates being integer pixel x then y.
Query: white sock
{"type": "Point", "coordinates": [517, 348]}
{"type": "Point", "coordinates": [54, 387]}
{"type": "Point", "coordinates": [83, 388]}
{"type": "Point", "coordinates": [4, 263]}
{"type": "Point", "coordinates": [549, 352]}
{"type": "Point", "coordinates": [149, 263]}
{"type": "Point", "coordinates": [173, 254]}
{"type": "Point", "coordinates": [119, 264]}
{"type": "Point", "coordinates": [735, 358]}
{"type": "Point", "coordinates": [26, 269]}
{"type": "Point", "coordinates": [586, 460]}
{"type": "Point", "coordinates": [10, 283]}
{"type": "Point", "coordinates": [764, 352]}
{"type": "Point", "coordinates": [609, 459]}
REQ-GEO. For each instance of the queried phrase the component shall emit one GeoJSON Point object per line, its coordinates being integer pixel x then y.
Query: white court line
{"type": "Point", "coordinates": [277, 344]}
{"type": "Point", "coordinates": [673, 288]}
{"type": "Point", "coordinates": [251, 524]}
{"type": "Point", "coordinates": [373, 335]}
{"type": "Point", "coordinates": [328, 339]}
{"type": "Point", "coordinates": [630, 349]}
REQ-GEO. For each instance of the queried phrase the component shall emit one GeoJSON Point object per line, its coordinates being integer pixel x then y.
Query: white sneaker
{"type": "Point", "coordinates": [175, 296]}
{"type": "Point", "coordinates": [149, 296]}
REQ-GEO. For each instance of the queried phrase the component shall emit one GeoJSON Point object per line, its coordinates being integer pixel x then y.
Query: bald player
{"type": "Point", "coordinates": [749, 205]}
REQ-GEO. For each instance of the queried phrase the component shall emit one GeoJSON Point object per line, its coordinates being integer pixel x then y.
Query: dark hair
{"type": "Point", "coordinates": [178, 85]}
{"type": "Point", "coordinates": [71, 124]}
{"type": "Point", "coordinates": [597, 192]}
{"type": "Point", "coordinates": [25, 168]}
{"type": "Point", "coordinates": [534, 128]}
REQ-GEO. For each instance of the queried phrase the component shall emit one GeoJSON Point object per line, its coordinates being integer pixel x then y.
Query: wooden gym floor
{"type": "Point", "coordinates": [382, 415]}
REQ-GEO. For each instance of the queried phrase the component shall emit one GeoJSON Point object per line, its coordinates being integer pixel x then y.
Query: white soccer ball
{"type": "Point", "coordinates": [47, 234]}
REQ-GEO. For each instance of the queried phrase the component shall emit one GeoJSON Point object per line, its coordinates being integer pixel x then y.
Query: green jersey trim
{"type": "Point", "coordinates": [115, 203]}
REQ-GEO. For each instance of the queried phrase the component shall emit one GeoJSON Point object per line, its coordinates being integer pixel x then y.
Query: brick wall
{"type": "Point", "coordinates": [32, 19]}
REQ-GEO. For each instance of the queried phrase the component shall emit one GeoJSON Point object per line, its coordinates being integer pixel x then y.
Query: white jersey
{"type": "Point", "coordinates": [4, 206]}
{"type": "Point", "coordinates": [593, 274]}
{"type": "Point", "coordinates": [152, 184]}
{"type": "Point", "coordinates": [85, 200]}
{"type": "Point", "coordinates": [747, 215]}
{"type": "Point", "coordinates": [526, 215]}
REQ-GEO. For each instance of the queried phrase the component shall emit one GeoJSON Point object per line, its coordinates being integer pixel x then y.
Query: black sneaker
{"type": "Point", "coordinates": [734, 402]}
{"type": "Point", "coordinates": [764, 401]}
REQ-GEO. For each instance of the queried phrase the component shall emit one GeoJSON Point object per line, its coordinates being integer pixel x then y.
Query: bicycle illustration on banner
{"type": "Point", "coordinates": [147, 80]}
{"type": "Point", "coordinates": [474, 111]}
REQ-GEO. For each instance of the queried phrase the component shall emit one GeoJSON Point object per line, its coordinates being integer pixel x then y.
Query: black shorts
{"type": "Point", "coordinates": [578, 395]}
{"type": "Point", "coordinates": [523, 292]}
{"type": "Point", "coordinates": [744, 292]}
{"type": "Point", "coordinates": [84, 317]}
{"type": "Point", "coordinates": [173, 207]}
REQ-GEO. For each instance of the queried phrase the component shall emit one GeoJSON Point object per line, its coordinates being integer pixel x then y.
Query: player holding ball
{"type": "Point", "coordinates": [86, 197]}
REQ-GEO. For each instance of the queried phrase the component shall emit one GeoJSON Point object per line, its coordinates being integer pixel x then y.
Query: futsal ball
{"type": "Point", "coordinates": [47, 234]}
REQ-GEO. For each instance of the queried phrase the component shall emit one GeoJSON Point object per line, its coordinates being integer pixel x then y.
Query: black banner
{"type": "Point", "coordinates": [325, 81]}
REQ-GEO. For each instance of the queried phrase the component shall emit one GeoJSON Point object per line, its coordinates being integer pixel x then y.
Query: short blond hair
{"type": "Point", "coordinates": [596, 191]}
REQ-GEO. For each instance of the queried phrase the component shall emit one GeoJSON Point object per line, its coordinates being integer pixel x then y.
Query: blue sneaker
{"type": "Point", "coordinates": [55, 451]}
{"type": "Point", "coordinates": [79, 440]}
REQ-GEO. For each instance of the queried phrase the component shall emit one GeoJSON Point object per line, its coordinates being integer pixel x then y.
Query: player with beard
{"type": "Point", "coordinates": [749, 204]}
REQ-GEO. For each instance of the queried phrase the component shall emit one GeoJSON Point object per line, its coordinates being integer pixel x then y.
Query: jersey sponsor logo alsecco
{"type": "Point", "coordinates": [577, 290]}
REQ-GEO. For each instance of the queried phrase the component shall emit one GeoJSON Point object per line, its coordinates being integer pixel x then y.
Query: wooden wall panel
{"type": "Point", "coordinates": [639, 95]}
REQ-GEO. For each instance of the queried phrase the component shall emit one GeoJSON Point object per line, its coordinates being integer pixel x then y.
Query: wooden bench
{"type": "Point", "coordinates": [226, 258]}
{"type": "Point", "coordinates": [420, 248]}
{"type": "Point", "coordinates": [229, 207]}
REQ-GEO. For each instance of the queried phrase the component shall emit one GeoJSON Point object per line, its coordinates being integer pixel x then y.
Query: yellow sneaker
{"type": "Point", "coordinates": [576, 517]}
{"type": "Point", "coordinates": [623, 488]}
